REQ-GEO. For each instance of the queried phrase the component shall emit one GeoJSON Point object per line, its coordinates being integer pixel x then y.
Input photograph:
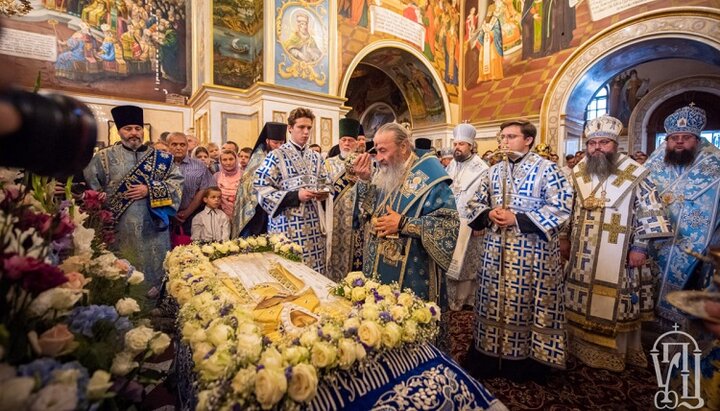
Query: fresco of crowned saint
{"type": "Point", "coordinates": [101, 43]}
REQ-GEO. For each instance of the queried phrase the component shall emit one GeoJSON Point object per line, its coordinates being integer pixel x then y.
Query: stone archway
{"type": "Point", "coordinates": [414, 81]}
{"type": "Point", "coordinates": [637, 126]}
{"type": "Point", "coordinates": [661, 34]}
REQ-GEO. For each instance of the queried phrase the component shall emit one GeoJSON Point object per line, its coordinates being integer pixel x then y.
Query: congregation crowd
{"type": "Point", "coordinates": [556, 260]}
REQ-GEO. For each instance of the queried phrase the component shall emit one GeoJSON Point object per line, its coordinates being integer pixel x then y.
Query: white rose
{"type": "Point", "coordinates": [127, 306]}
{"type": "Point", "coordinates": [270, 386]}
{"type": "Point", "coordinates": [207, 249]}
{"type": "Point", "coordinates": [219, 334]}
{"type": "Point", "coordinates": [323, 355]}
{"type": "Point", "coordinates": [392, 333]}
{"type": "Point", "coordinates": [14, 393]}
{"type": "Point", "coordinates": [274, 238]}
{"type": "Point", "coordinates": [358, 294]}
{"type": "Point", "coordinates": [136, 278]}
{"type": "Point", "coordinates": [233, 248]}
{"type": "Point", "coordinates": [352, 323]}
{"type": "Point", "coordinates": [252, 242]}
{"type": "Point", "coordinates": [66, 377]}
{"type": "Point", "coordinates": [347, 292]}
{"type": "Point", "coordinates": [244, 381]}
{"type": "Point", "coordinates": [398, 312]}
{"type": "Point", "coordinates": [370, 312]}
{"type": "Point", "coordinates": [249, 347]}
{"type": "Point", "coordinates": [303, 383]}
{"type": "Point", "coordinates": [285, 248]}
{"type": "Point", "coordinates": [248, 328]}
{"type": "Point", "coordinates": [204, 400]}
{"type": "Point", "coordinates": [160, 343]}
{"type": "Point", "coordinates": [55, 397]}
{"type": "Point", "coordinates": [409, 331]}
{"type": "Point", "coordinates": [198, 336]}
{"type": "Point", "coordinates": [262, 242]}
{"type": "Point", "coordinates": [123, 363]}
{"type": "Point", "coordinates": [242, 244]}
{"type": "Point", "coordinates": [215, 366]}
{"type": "Point", "coordinates": [53, 299]}
{"type": "Point", "coordinates": [98, 385]}
{"type": "Point", "coordinates": [271, 358]}
{"type": "Point", "coordinates": [370, 334]}
{"type": "Point", "coordinates": [360, 352]}
{"type": "Point", "coordinates": [200, 351]}
{"type": "Point", "coordinates": [137, 339]}
{"type": "Point", "coordinates": [346, 353]}
{"type": "Point", "coordinates": [82, 240]}
{"type": "Point", "coordinates": [422, 315]}
{"type": "Point", "coordinates": [332, 330]}
{"type": "Point", "coordinates": [372, 284]}
{"type": "Point", "coordinates": [309, 337]}
{"type": "Point", "coordinates": [189, 328]}
{"type": "Point", "coordinates": [355, 275]}
{"type": "Point", "coordinates": [405, 299]}
{"type": "Point", "coordinates": [222, 248]}
{"type": "Point", "coordinates": [385, 290]}
{"type": "Point", "coordinates": [297, 248]}
{"type": "Point", "coordinates": [295, 354]}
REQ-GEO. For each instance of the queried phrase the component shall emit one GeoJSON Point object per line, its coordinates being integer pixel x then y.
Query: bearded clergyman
{"type": "Point", "coordinates": [609, 288]}
{"type": "Point", "coordinates": [686, 171]}
{"type": "Point", "coordinates": [409, 214]}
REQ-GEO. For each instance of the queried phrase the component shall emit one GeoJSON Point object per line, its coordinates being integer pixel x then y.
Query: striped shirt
{"type": "Point", "coordinates": [197, 178]}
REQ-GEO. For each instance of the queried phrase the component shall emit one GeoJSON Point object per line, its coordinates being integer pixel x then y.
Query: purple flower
{"type": "Point", "coordinates": [358, 283]}
{"type": "Point", "coordinates": [288, 372]}
{"type": "Point", "coordinates": [259, 367]}
{"type": "Point", "coordinates": [209, 353]}
{"type": "Point", "coordinates": [433, 311]}
{"type": "Point", "coordinates": [385, 316]}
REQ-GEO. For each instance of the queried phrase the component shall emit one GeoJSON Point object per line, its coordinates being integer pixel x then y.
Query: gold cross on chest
{"type": "Point", "coordinates": [614, 229]}
{"type": "Point", "coordinates": [625, 175]}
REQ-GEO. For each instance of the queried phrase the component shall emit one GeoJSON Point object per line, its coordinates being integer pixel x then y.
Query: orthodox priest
{"type": "Point", "coordinates": [521, 203]}
{"type": "Point", "coordinates": [291, 184]}
{"type": "Point", "coordinates": [345, 236]}
{"type": "Point", "coordinates": [409, 215]}
{"type": "Point", "coordinates": [609, 288]}
{"type": "Point", "coordinates": [686, 171]}
{"type": "Point", "coordinates": [249, 219]}
{"type": "Point", "coordinates": [143, 188]}
{"type": "Point", "coordinates": [466, 171]}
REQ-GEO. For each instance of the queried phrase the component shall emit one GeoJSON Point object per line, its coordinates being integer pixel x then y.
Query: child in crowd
{"type": "Point", "coordinates": [201, 153]}
{"type": "Point", "coordinates": [227, 180]}
{"type": "Point", "coordinates": [211, 224]}
{"type": "Point", "coordinates": [214, 152]}
{"type": "Point", "coordinates": [244, 158]}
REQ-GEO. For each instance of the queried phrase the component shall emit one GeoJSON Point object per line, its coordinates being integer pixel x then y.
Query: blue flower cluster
{"type": "Point", "coordinates": [83, 319]}
{"type": "Point", "coordinates": [42, 370]}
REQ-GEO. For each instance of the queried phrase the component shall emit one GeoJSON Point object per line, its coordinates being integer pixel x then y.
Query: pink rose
{"type": "Point", "coordinates": [93, 200]}
{"type": "Point", "coordinates": [56, 340]}
{"type": "Point", "coordinates": [76, 281]}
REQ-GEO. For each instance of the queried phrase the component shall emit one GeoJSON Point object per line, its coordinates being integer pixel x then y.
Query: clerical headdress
{"type": "Point", "coordinates": [603, 127]}
{"type": "Point", "coordinates": [272, 131]}
{"type": "Point", "coordinates": [349, 128]}
{"type": "Point", "coordinates": [127, 116]}
{"type": "Point", "coordinates": [688, 119]}
{"type": "Point", "coordinates": [464, 132]}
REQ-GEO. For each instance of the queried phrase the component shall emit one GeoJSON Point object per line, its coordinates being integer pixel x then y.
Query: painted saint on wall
{"type": "Point", "coordinates": [301, 46]}
{"type": "Point", "coordinates": [93, 46]}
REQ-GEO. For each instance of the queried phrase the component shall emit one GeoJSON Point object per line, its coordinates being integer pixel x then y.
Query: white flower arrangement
{"type": "Point", "coordinates": [236, 364]}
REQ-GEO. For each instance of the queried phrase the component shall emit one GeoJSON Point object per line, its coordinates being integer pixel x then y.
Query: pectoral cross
{"type": "Point", "coordinates": [614, 229]}
{"type": "Point", "coordinates": [625, 175]}
{"type": "Point", "coordinates": [582, 173]}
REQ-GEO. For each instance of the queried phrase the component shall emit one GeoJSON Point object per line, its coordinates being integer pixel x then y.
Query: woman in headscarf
{"type": "Point", "coordinates": [227, 180]}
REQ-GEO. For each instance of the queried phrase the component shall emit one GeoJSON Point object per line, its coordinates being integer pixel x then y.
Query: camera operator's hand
{"type": "Point", "coordinates": [137, 191]}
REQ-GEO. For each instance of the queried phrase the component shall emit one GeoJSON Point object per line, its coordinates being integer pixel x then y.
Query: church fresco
{"type": "Point", "coordinates": [237, 42]}
{"type": "Point", "coordinates": [124, 48]}
{"type": "Point", "coordinates": [302, 44]}
{"type": "Point", "coordinates": [415, 97]}
{"type": "Point", "coordinates": [550, 32]}
{"type": "Point", "coordinates": [431, 27]}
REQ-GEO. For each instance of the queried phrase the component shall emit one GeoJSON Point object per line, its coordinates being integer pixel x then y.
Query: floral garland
{"type": "Point", "coordinates": [71, 334]}
{"type": "Point", "coordinates": [236, 364]}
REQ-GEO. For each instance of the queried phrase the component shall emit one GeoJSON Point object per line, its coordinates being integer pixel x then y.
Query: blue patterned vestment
{"type": "Point", "coordinates": [423, 249]}
{"type": "Point", "coordinates": [520, 304]}
{"type": "Point", "coordinates": [691, 196]}
{"type": "Point", "coordinates": [285, 170]}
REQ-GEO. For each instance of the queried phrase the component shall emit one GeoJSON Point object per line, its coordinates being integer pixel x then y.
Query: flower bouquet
{"type": "Point", "coordinates": [65, 344]}
{"type": "Point", "coordinates": [236, 364]}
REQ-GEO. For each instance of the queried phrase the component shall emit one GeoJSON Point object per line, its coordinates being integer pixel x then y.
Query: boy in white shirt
{"type": "Point", "coordinates": [211, 224]}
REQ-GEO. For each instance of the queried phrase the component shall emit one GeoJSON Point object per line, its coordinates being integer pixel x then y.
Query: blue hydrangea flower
{"type": "Point", "coordinates": [82, 319]}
